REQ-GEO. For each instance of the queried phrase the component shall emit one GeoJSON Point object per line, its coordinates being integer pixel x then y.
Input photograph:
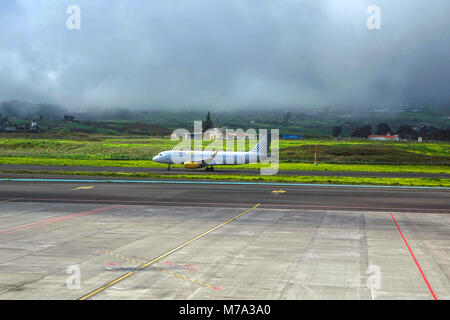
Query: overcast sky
{"type": "Point", "coordinates": [225, 54]}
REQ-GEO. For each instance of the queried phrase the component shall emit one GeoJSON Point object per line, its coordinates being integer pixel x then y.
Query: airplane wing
{"type": "Point", "coordinates": [209, 161]}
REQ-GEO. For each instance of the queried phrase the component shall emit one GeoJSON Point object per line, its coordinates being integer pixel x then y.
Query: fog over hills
{"type": "Point", "coordinates": [224, 55]}
{"type": "Point", "coordinates": [28, 110]}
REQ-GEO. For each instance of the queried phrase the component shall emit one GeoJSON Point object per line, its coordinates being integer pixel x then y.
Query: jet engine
{"type": "Point", "coordinates": [192, 165]}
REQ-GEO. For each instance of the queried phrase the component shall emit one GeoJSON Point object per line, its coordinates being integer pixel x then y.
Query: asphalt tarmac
{"type": "Point", "coordinates": [231, 194]}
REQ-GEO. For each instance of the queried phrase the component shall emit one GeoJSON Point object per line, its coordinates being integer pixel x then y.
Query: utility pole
{"type": "Point", "coordinates": [315, 155]}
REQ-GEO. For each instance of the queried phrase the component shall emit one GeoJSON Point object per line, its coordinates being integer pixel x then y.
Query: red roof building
{"type": "Point", "coordinates": [377, 137]}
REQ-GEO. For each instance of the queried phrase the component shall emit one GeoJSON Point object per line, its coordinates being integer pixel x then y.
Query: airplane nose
{"type": "Point", "coordinates": [154, 158]}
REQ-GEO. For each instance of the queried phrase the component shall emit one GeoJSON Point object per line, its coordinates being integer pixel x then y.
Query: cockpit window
{"type": "Point", "coordinates": [160, 155]}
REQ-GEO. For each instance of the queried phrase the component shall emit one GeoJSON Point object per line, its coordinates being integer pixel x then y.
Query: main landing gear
{"type": "Point", "coordinates": [168, 168]}
{"type": "Point", "coordinates": [209, 169]}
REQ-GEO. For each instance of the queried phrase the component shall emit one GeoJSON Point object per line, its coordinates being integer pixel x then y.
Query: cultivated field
{"type": "Point", "coordinates": [333, 155]}
{"type": "Point", "coordinates": [291, 151]}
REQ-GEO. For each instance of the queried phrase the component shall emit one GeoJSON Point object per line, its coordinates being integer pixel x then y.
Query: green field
{"type": "Point", "coordinates": [333, 155]}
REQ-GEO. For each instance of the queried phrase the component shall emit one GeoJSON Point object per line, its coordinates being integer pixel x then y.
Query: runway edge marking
{"type": "Point", "coordinates": [92, 293]}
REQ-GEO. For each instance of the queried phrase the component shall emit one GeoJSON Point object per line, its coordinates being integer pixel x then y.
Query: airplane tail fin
{"type": "Point", "coordinates": [262, 148]}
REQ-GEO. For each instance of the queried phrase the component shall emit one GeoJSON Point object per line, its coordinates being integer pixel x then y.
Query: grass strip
{"type": "Point", "coordinates": [282, 166]}
{"type": "Point", "coordinates": [428, 182]}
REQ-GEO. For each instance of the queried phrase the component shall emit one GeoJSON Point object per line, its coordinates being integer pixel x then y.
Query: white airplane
{"type": "Point", "coordinates": [209, 159]}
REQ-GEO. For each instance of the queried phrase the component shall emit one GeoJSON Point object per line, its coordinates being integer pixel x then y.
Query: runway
{"type": "Point", "coordinates": [78, 240]}
{"type": "Point", "coordinates": [207, 194]}
{"type": "Point", "coordinates": [220, 171]}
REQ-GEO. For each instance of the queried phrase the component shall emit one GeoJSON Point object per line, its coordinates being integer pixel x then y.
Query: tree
{"type": "Point", "coordinates": [208, 123]}
{"type": "Point", "coordinates": [362, 132]}
{"type": "Point", "coordinates": [383, 128]}
{"type": "Point", "coordinates": [407, 132]}
{"type": "Point", "coordinates": [286, 118]}
{"type": "Point", "coordinates": [431, 132]}
{"type": "Point", "coordinates": [443, 134]}
{"type": "Point", "coordinates": [337, 131]}
{"type": "Point", "coordinates": [69, 118]}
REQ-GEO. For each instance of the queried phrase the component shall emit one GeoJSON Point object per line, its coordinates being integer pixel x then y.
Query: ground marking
{"type": "Point", "coordinates": [13, 199]}
{"type": "Point", "coordinates": [176, 275]}
{"type": "Point", "coordinates": [137, 261]}
{"type": "Point", "coordinates": [414, 258]}
{"type": "Point", "coordinates": [228, 205]}
{"type": "Point", "coordinates": [83, 188]}
{"type": "Point", "coordinates": [275, 192]}
{"type": "Point", "coordinates": [36, 224]}
{"type": "Point", "coordinates": [192, 280]}
{"type": "Point", "coordinates": [165, 254]}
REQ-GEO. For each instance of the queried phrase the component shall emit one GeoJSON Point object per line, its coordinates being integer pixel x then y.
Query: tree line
{"type": "Point", "coordinates": [404, 132]}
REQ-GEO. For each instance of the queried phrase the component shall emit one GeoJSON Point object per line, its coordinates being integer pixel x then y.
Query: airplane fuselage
{"type": "Point", "coordinates": [210, 158]}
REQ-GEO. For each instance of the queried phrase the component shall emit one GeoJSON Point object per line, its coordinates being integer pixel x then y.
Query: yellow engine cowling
{"type": "Point", "coordinates": [192, 165]}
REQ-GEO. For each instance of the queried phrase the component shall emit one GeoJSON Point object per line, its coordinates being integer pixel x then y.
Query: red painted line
{"type": "Point", "coordinates": [414, 258]}
{"type": "Point", "coordinates": [36, 224]}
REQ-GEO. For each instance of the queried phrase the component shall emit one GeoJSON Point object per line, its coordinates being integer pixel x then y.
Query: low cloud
{"type": "Point", "coordinates": [225, 54]}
